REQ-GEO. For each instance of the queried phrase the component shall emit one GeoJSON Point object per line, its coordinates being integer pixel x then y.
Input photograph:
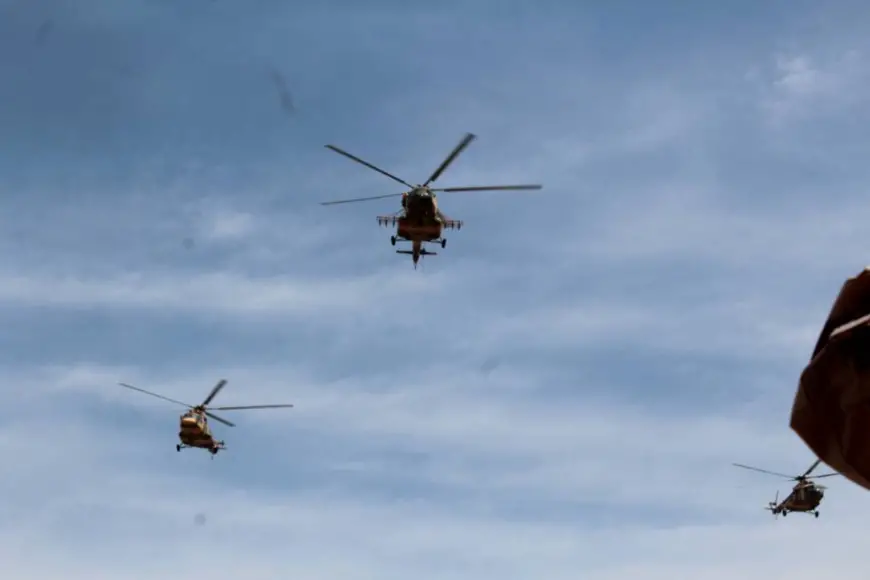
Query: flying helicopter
{"type": "Point", "coordinates": [804, 497]}
{"type": "Point", "coordinates": [194, 431]}
{"type": "Point", "coordinates": [420, 221]}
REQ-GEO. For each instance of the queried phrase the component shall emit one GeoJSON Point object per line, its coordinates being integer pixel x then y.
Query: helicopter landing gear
{"type": "Point", "coordinates": [816, 513]}
{"type": "Point", "coordinates": [393, 240]}
{"type": "Point", "coordinates": [784, 513]}
{"type": "Point", "coordinates": [178, 447]}
{"type": "Point", "coordinates": [443, 243]}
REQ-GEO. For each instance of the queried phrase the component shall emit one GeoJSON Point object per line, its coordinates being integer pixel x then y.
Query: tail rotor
{"type": "Point", "coordinates": [771, 506]}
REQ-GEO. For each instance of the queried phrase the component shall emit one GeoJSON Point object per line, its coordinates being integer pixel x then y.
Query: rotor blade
{"type": "Point", "coordinates": [763, 471]}
{"type": "Point", "coordinates": [492, 188]}
{"type": "Point", "coordinates": [810, 470]}
{"type": "Point", "coordinates": [155, 395]}
{"type": "Point", "coordinates": [220, 420]}
{"type": "Point", "coordinates": [360, 199]}
{"type": "Point", "coordinates": [251, 407]}
{"type": "Point", "coordinates": [822, 475]}
{"type": "Point", "coordinates": [466, 141]}
{"type": "Point", "coordinates": [217, 389]}
{"type": "Point", "coordinates": [367, 164]}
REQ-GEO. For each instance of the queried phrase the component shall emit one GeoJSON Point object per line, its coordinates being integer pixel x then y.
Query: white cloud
{"type": "Point", "coordinates": [116, 514]}
{"type": "Point", "coordinates": [803, 85]}
{"type": "Point", "coordinates": [217, 293]}
{"type": "Point", "coordinates": [736, 327]}
{"type": "Point", "coordinates": [685, 220]}
{"type": "Point", "coordinates": [229, 225]}
{"type": "Point", "coordinates": [498, 434]}
{"type": "Point", "coordinates": [403, 457]}
{"type": "Point", "coordinates": [572, 127]}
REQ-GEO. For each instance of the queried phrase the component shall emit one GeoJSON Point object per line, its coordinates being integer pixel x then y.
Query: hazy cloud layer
{"type": "Point", "coordinates": [558, 394]}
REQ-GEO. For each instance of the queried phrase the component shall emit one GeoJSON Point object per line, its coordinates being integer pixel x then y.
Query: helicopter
{"type": "Point", "coordinates": [194, 431]}
{"type": "Point", "coordinates": [420, 221]}
{"type": "Point", "coordinates": [804, 497]}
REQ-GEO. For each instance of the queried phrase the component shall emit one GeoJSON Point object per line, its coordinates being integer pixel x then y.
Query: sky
{"type": "Point", "coordinates": [559, 394]}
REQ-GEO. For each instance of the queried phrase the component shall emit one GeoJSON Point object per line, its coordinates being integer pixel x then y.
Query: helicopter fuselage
{"type": "Point", "coordinates": [801, 499]}
{"type": "Point", "coordinates": [420, 219]}
{"type": "Point", "coordinates": [194, 432]}
{"type": "Point", "coordinates": [418, 231]}
{"type": "Point", "coordinates": [419, 222]}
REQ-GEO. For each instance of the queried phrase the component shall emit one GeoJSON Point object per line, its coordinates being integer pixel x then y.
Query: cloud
{"type": "Point", "coordinates": [695, 220]}
{"type": "Point", "coordinates": [217, 293]}
{"type": "Point", "coordinates": [123, 510]}
{"type": "Point", "coordinates": [228, 225]}
{"type": "Point", "coordinates": [649, 311]}
{"type": "Point", "coordinates": [488, 435]}
{"type": "Point", "coordinates": [801, 86]}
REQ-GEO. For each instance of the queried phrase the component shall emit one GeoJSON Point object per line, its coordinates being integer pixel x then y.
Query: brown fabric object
{"type": "Point", "coordinates": [831, 410]}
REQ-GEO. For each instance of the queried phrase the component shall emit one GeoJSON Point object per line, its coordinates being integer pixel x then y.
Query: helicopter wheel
{"type": "Point", "coordinates": [784, 513]}
{"type": "Point", "coordinates": [393, 240]}
{"type": "Point", "coordinates": [816, 514]}
{"type": "Point", "coordinates": [443, 243]}
{"type": "Point", "coordinates": [178, 447]}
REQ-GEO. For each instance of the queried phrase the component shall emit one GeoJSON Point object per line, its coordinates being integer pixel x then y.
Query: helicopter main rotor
{"type": "Point", "coordinates": [203, 407]}
{"type": "Point", "coordinates": [465, 142]}
{"type": "Point", "coordinates": [799, 478]}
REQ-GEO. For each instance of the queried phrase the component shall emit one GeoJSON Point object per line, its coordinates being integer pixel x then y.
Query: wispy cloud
{"type": "Point", "coordinates": [219, 293]}
{"type": "Point", "coordinates": [801, 86]}
{"type": "Point", "coordinates": [558, 394]}
{"type": "Point", "coordinates": [143, 522]}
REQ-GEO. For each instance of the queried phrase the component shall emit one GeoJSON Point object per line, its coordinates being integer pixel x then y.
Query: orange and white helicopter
{"type": "Point", "coordinates": [194, 430]}
{"type": "Point", "coordinates": [420, 221]}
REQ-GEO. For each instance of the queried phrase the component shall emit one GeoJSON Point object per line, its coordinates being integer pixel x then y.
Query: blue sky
{"type": "Point", "coordinates": [559, 394]}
